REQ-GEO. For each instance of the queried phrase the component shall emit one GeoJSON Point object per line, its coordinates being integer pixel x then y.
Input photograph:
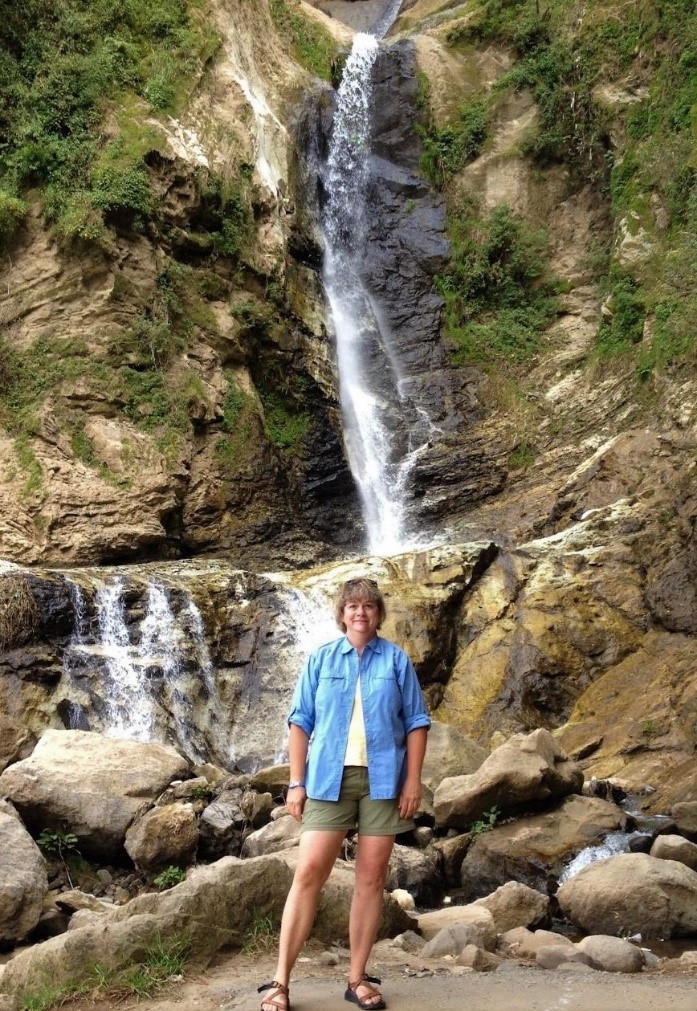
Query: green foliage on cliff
{"type": "Point", "coordinates": [312, 45]}
{"type": "Point", "coordinates": [616, 89]}
{"type": "Point", "coordinates": [497, 297]}
{"type": "Point", "coordinates": [447, 149]}
{"type": "Point", "coordinates": [62, 68]}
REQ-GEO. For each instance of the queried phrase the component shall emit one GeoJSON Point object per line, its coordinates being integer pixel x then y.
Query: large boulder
{"type": "Point", "coordinates": [515, 905]}
{"type": "Point", "coordinates": [417, 872]}
{"type": "Point", "coordinates": [277, 835]}
{"type": "Point", "coordinates": [685, 817]}
{"type": "Point", "coordinates": [449, 753]}
{"type": "Point", "coordinates": [222, 824]}
{"type": "Point", "coordinates": [471, 924]}
{"type": "Point", "coordinates": [534, 849]}
{"type": "Point", "coordinates": [23, 881]}
{"type": "Point", "coordinates": [675, 847]}
{"type": "Point", "coordinates": [613, 954]}
{"type": "Point", "coordinates": [163, 836]}
{"type": "Point", "coordinates": [214, 907]}
{"type": "Point", "coordinates": [633, 893]}
{"type": "Point", "coordinates": [528, 767]}
{"type": "Point", "coordinates": [92, 785]}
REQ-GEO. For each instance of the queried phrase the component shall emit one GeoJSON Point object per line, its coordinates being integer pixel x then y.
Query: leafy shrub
{"type": "Point", "coordinates": [448, 149]}
{"type": "Point", "coordinates": [497, 298]}
{"type": "Point", "coordinates": [124, 195]}
{"type": "Point", "coordinates": [313, 47]}
{"type": "Point", "coordinates": [169, 877]}
{"type": "Point", "coordinates": [625, 326]}
{"type": "Point", "coordinates": [12, 212]}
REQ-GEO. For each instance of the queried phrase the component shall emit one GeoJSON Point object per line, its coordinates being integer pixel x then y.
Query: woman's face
{"type": "Point", "coordinates": [361, 618]}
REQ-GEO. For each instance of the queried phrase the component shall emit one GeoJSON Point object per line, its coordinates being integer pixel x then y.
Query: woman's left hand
{"type": "Point", "coordinates": [410, 799]}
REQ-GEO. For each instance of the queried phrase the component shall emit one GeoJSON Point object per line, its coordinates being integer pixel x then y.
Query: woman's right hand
{"type": "Point", "coordinates": [295, 801]}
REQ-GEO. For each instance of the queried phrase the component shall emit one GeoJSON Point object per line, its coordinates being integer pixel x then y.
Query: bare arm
{"type": "Point", "coordinates": [410, 796]}
{"type": "Point", "coordinates": [297, 752]}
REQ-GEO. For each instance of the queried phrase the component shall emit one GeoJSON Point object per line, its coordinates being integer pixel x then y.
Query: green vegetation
{"type": "Point", "coordinates": [169, 877]}
{"type": "Point", "coordinates": [57, 841]}
{"type": "Point", "coordinates": [648, 172]}
{"type": "Point", "coordinates": [522, 456]}
{"type": "Point", "coordinates": [446, 150]}
{"type": "Point", "coordinates": [312, 45]}
{"type": "Point", "coordinates": [165, 960]}
{"type": "Point", "coordinates": [262, 934]}
{"type": "Point", "coordinates": [285, 424]}
{"type": "Point", "coordinates": [63, 66]}
{"type": "Point", "coordinates": [487, 821]}
{"type": "Point", "coordinates": [497, 298]}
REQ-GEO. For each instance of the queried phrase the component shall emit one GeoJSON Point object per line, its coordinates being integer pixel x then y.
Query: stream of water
{"type": "Point", "coordinates": [384, 432]}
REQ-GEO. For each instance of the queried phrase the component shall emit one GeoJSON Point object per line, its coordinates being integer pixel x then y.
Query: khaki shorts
{"type": "Point", "coordinates": [355, 809]}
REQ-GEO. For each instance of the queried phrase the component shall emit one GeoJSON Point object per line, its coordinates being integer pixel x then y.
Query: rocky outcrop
{"type": "Point", "coordinates": [633, 893]}
{"type": "Point", "coordinates": [526, 768]}
{"type": "Point", "coordinates": [194, 654]}
{"type": "Point", "coordinates": [534, 848]}
{"type": "Point", "coordinates": [449, 753]}
{"type": "Point", "coordinates": [91, 784]}
{"type": "Point", "coordinates": [23, 881]}
{"type": "Point", "coordinates": [162, 837]}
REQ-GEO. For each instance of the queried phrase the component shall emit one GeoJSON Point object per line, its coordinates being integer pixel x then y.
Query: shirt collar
{"type": "Point", "coordinates": [374, 644]}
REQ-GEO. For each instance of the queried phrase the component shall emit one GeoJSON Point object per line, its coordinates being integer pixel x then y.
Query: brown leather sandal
{"type": "Point", "coordinates": [272, 999]}
{"type": "Point", "coordinates": [364, 1002]}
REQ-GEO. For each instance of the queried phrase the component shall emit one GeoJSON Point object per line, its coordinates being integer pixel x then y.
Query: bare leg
{"type": "Point", "coordinates": [372, 860]}
{"type": "Point", "coordinates": [318, 851]}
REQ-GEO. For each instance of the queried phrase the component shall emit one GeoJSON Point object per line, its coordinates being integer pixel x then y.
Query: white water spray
{"type": "Point", "coordinates": [384, 432]}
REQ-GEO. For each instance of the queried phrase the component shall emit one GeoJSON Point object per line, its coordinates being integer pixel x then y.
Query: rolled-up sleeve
{"type": "Point", "coordinates": [414, 707]}
{"type": "Point", "coordinates": [302, 709]}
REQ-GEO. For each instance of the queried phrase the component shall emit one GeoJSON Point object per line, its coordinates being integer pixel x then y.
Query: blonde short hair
{"type": "Point", "coordinates": [360, 588]}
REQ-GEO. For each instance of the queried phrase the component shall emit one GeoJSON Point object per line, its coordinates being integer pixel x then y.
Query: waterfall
{"type": "Point", "coordinates": [150, 672]}
{"type": "Point", "coordinates": [384, 431]}
{"type": "Point", "coordinates": [129, 704]}
{"type": "Point", "coordinates": [611, 846]}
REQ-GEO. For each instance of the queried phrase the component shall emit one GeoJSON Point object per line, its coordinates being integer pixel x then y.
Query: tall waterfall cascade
{"type": "Point", "coordinates": [384, 429]}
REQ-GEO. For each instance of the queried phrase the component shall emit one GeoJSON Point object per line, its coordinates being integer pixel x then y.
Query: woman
{"type": "Point", "coordinates": [359, 700]}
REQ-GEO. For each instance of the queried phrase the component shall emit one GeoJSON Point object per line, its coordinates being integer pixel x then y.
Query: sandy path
{"type": "Point", "coordinates": [231, 985]}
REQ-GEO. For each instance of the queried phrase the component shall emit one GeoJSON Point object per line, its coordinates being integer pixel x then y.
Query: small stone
{"type": "Point", "coordinates": [329, 958]}
{"type": "Point", "coordinates": [423, 836]}
{"type": "Point", "coordinates": [121, 896]}
{"type": "Point", "coordinates": [404, 898]}
{"type": "Point", "coordinates": [650, 960]}
{"type": "Point", "coordinates": [409, 941]}
{"type": "Point", "coordinates": [688, 958]}
{"type": "Point", "coordinates": [105, 876]}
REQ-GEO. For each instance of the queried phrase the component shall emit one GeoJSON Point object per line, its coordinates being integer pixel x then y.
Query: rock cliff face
{"type": "Point", "coordinates": [569, 474]}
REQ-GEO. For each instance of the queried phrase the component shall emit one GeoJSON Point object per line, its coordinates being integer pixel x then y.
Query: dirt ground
{"type": "Point", "coordinates": [409, 984]}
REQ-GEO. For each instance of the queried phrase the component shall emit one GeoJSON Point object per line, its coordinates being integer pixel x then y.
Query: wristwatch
{"type": "Point", "coordinates": [295, 783]}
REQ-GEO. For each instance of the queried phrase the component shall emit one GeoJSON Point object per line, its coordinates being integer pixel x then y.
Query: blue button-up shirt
{"type": "Point", "coordinates": [392, 707]}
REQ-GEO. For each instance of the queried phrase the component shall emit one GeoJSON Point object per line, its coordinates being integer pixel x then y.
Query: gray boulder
{"type": "Point", "coordinates": [528, 767]}
{"type": "Point", "coordinates": [633, 893]}
{"type": "Point", "coordinates": [552, 956]}
{"type": "Point", "coordinates": [613, 954]}
{"type": "Point", "coordinates": [92, 785]}
{"type": "Point", "coordinates": [23, 881]}
{"type": "Point", "coordinates": [221, 825]}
